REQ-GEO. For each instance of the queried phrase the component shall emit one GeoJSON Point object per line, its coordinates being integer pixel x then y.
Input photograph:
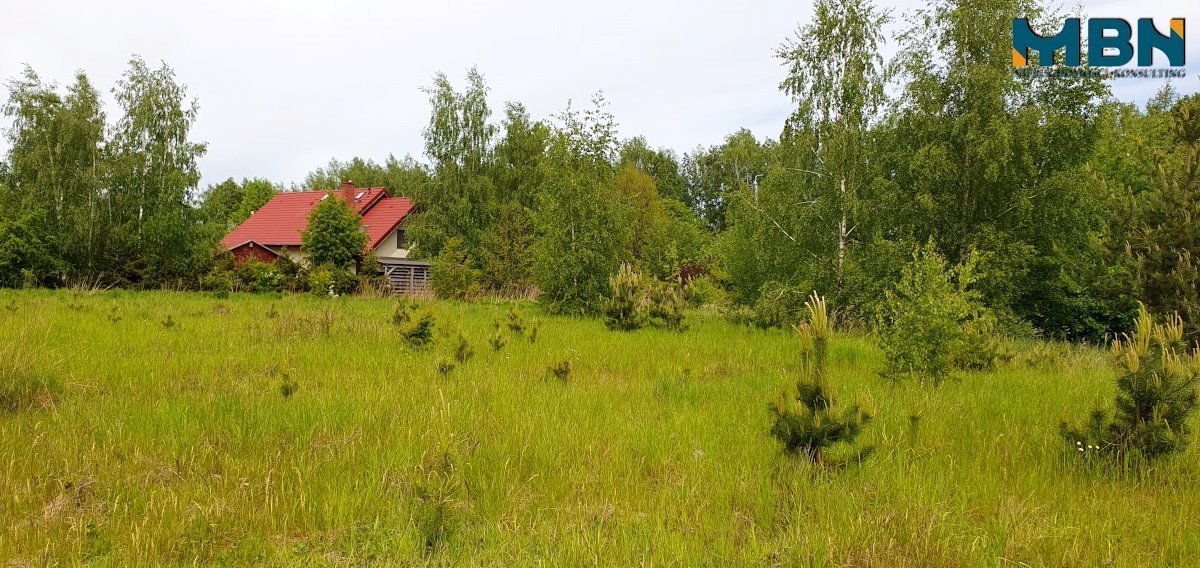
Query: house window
{"type": "Point", "coordinates": [400, 238]}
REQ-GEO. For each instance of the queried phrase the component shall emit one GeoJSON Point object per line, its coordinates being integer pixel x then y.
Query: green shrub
{"type": "Point", "coordinates": [403, 311]}
{"type": "Point", "coordinates": [328, 280]}
{"type": "Point", "coordinates": [259, 277]}
{"type": "Point", "coordinates": [221, 277]}
{"type": "Point", "coordinates": [498, 341]}
{"type": "Point", "coordinates": [515, 322]}
{"type": "Point", "coordinates": [445, 366]}
{"type": "Point", "coordinates": [452, 274]}
{"type": "Point", "coordinates": [804, 421]}
{"type": "Point", "coordinates": [418, 333]}
{"type": "Point", "coordinates": [933, 323]}
{"type": "Point", "coordinates": [665, 306]}
{"type": "Point", "coordinates": [704, 291]}
{"type": "Point", "coordinates": [292, 276]}
{"type": "Point", "coordinates": [739, 315]}
{"type": "Point", "coordinates": [334, 234]}
{"type": "Point", "coordinates": [625, 308]}
{"type": "Point", "coordinates": [778, 305]}
{"type": "Point", "coordinates": [1156, 396]}
{"type": "Point", "coordinates": [25, 258]}
{"type": "Point", "coordinates": [435, 489]}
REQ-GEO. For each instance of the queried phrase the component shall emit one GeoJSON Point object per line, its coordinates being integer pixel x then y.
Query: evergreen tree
{"type": "Point", "coordinates": [1157, 241]}
{"type": "Point", "coordinates": [625, 309]}
{"type": "Point", "coordinates": [805, 422]}
{"type": "Point", "coordinates": [1156, 396]}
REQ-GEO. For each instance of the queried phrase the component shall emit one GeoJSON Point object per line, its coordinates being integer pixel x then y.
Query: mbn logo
{"type": "Point", "coordinates": [1104, 35]}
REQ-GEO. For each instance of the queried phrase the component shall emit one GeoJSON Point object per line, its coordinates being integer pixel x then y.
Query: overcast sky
{"type": "Point", "coordinates": [285, 85]}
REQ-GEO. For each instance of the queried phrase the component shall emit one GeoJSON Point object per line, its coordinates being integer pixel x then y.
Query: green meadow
{"type": "Point", "coordinates": [164, 438]}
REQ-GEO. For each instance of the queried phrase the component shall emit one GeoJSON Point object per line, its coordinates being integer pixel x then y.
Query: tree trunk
{"type": "Point", "coordinates": [843, 236]}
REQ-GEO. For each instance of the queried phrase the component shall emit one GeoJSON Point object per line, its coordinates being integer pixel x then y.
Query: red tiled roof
{"type": "Point", "coordinates": [281, 221]}
{"type": "Point", "coordinates": [382, 219]}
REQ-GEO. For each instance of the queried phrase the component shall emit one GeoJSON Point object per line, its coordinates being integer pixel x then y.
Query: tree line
{"type": "Point", "coordinates": [1069, 205]}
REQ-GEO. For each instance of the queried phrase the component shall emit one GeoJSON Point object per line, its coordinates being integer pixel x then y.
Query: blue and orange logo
{"type": "Point", "coordinates": [1110, 42]}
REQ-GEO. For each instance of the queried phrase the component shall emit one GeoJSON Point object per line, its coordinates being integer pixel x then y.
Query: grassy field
{"type": "Point", "coordinates": [171, 443]}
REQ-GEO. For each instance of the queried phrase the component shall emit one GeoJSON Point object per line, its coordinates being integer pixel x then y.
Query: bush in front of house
{"type": "Point", "coordinates": [334, 234]}
{"type": "Point", "coordinates": [371, 281]}
{"type": "Point", "coordinates": [329, 280]}
{"type": "Point", "coordinates": [251, 276]}
{"type": "Point", "coordinates": [292, 275]}
{"type": "Point", "coordinates": [259, 277]}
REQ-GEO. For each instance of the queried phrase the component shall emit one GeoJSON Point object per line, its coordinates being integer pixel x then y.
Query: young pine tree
{"type": "Point", "coordinates": [625, 308]}
{"type": "Point", "coordinates": [806, 423]}
{"type": "Point", "coordinates": [1156, 395]}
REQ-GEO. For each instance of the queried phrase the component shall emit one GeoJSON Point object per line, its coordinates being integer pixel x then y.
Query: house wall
{"type": "Point", "coordinates": [252, 251]}
{"type": "Point", "coordinates": [292, 253]}
{"type": "Point", "coordinates": [388, 248]}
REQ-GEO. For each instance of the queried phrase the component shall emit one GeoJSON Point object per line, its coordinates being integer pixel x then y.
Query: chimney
{"type": "Point", "coordinates": [348, 192]}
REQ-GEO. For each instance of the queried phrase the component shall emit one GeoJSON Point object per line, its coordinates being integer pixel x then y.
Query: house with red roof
{"type": "Point", "coordinates": [275, 230]}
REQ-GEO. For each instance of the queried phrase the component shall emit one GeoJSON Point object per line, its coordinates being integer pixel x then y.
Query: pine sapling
{"type": "Point", "coordinates": [560, 371]}
{"type": "Point", "coordinates": [805, 421]}
{"type": "Point", "coordinates": [463, 350]}
{"type": "Point", "coordinates": [498, 340]}
{"type": "Point", "coordinates": [625, 309]}
{"type": "Point", "coordinates": [666, 305]}
{"type": "Point", "coordinates": [288, 386]}
{"type": "Point", "coordinates": [516, 322]}
{"type": "Point", "coordinates": [1156, 396]}
{"type": "Point", "coordinates": [418, 333]}
{"type": "Point", "coordinates": [533, 330]}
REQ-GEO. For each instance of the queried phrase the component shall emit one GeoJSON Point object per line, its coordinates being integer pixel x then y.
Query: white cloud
{"type": "Point", "coordinates": [284, 86]}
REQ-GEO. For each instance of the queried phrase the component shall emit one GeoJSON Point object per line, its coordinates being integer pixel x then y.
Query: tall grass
{"type": "Point", "coordinates": [175, 446]}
